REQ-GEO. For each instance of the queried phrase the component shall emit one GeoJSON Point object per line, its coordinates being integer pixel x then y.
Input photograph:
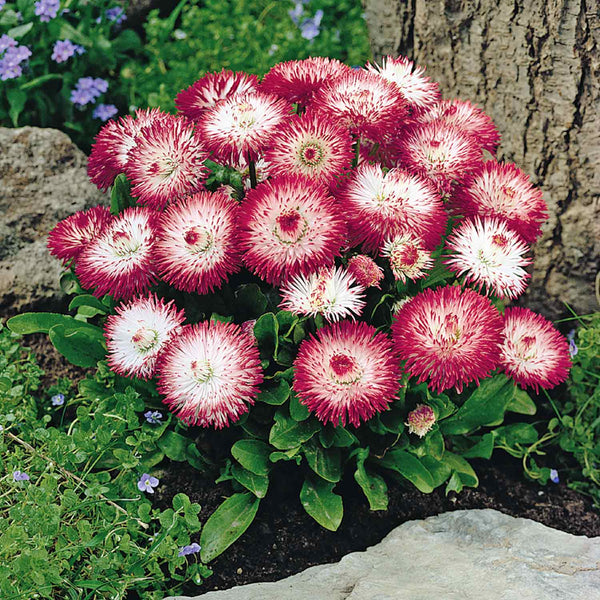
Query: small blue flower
{"type": "Point", "coordinates": [147, 483]}
{"type": "Point", "coordinates": [104, 112]}
{"type": "Point", "coordinates": [20, 476]}
{"type": "Point", "coordinates": [573, 349]}
{"type": "Point", "coordinates": [154, 417]}
{"type": "Point", "coordinates": [296, 13]}
{"type": "Point", "coordinates": [115, 14]}
{"type": "Point", "coordinates": [191, 549]}
{"type": "Point", "coordinates": [47, 9]}
{"type": "Point", "coordinates": [310, 28]}
{"type": "Point", "coordinates": [7, 42]}
{"type": "Point", "coordinates": [58, 399]}
{"type": "Point", "coordinates": [554, 476]}
{"type": "Point", "coordinates": [2, 3]}
{"type": "Point", "coordinates": [64, 49]}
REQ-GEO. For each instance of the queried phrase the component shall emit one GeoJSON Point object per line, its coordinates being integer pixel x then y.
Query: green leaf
{"type": "Point", "coordinates": [336, 436]}
{"type": "Point", "coordinates": [266, 331]}
{"type": "Point", "coordinates": [16, 101]}
{"type": "Point", "coordinates": [174, 445]}
{"type": "Point", "coordinates": [287, 433]}
{"type": "Point", "coordinates": [127, 40]}
{"type": "Point", "coordinates": [439, 470]}
{"type": "Point", "coordinates": [482, 449]}
{"type": "Point", "coordinates": [521, 403]}
{"type": "Point", "coordinates": [38, 81]}
{"type": "Point", "coordinates": [321, 503]}
{"type": "Point", "coordinates": [88, 300]}
{"type": "Point", "coordinates": [227, 524]}
{"type": "Point", "coordinates": [298, 411]}
{"type": "Point", "coordinates": [373, 485]}
{"type": "Point", "coordinates": [410, 467]}
{"type": "Point", "coordinates": [291, 454]}
{"type": "Point", "coordinates": [516, 433]}
{"type": "Point", "coordinates": [42, 322]}
{"type": "Point", "coordinates": [81, 346]}
{"type": "Point", "coordinates": [484, 407]}
{"type": "Point", "coordinates": [20, 30]}
{"type": "Point", "coordinates": [120, 197]}
{"type": "Point", "coordinates": [252, 455]}
{"type": "Point", "coordinates": [69, 284]}
{"type": "Point", "coordinates": [67, 31]}
{"type": "Point", "coordinates": [327, 463]}
{"type": "Point", "coordinates": [249, 302]}
{"type": "Point", "coordinates": [257, 484]}
{"type": "Point", "coordinates": [462, 473]}
{"type": "Point", "coordinates": [275, 395]}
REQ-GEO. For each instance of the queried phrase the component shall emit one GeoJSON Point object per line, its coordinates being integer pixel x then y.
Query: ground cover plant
{"type": "Point", "coordinates": [315, 267]}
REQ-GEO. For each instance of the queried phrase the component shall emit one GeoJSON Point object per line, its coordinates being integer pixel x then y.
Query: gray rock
{"type": "Point", "coordinates": [42, 180]}
{"type": "Point", "coordinates": [462, 555]}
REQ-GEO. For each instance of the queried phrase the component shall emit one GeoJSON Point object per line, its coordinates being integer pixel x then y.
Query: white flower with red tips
{"type": "Point", "coordinates": [381, 205]}
{"type": "Point", "coordinates": [196, 247]}
{"type": "Point", "coordinates": [311, 146]}
{"type": "Point", "coordinates": [364, 103]}
{"type": "Point", "coordinates": [420, 420]}
{"type": "Point", "coordinates": [167, 162]}
{"type": "Point", "coordinates": [418, 90]}
{"type": "Point", "coordinates": [119, 261]}
{"type": "Point", "coordinates": [348, 372]}
{"type": "Point", "coordinates": [449, 336]}
{"type": "Point", "coordinates": [467, 117]}
{"type": "Point", "coordinates": [243, 125]}
{"type": "Point", "coordinates": [333, 293]}
{"type": "Point", "coordinates": [490, 255]}
{"type": "Point", "coordinates": [365, 270]}
{"type": "Point", "coordinates": [533, 352]}
{"type": "Point", "coordinates": [209, 374]}
{"type": "Point", "coordinates": [289, 225]}
{"type": "Point", "coordinates": [502, 190]}
{"type": "Point", "coordinates": [298, 80]}
{"type": "Point", "coordinates": [408, 258]}
{"type": "Point", "coordinates": [211, 89]}
{"type": "Point", "coordinates": [439, 151]}
{"type": "Point", "coordinates": [70, 236]}
{"type": "Point", "coordinates": [137, 334]}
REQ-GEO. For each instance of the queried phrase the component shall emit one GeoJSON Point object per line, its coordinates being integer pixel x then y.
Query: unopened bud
{"type": "Point", "coordinates": [421, 420]}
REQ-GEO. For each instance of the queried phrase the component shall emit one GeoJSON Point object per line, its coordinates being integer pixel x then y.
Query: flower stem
{"type": "Point", "coordinates": [252, 170]}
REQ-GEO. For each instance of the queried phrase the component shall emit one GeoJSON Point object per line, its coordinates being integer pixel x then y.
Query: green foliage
{"type": "Point", "coordinates": [240, 35]}
{"type": "Point", "coordinates": [79, 527]}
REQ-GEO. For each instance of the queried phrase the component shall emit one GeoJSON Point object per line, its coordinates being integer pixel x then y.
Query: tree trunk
{"type": "Point", "coordinates": [534, 66]}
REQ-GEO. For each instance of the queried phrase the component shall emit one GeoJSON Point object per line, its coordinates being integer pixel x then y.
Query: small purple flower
{"type": "Point", "coordinates": [20, 476]}
{"type": "Point", "coordinates": [573, 349]}
{"type": "Point", "coordinates": [297, 12]}
{"type": "Point", "coordinates": [147, 483]}
{"type": "Point", "coordinates": [58, 399]}
{"type": "Point", "coordinates": [47, 9]}
{"type": "Point", "coordinates": [64, 49]}
{"type": "Point", "coordinates": [7, 42]}
{"type": "Point", "coordinates": [191, 549]}
{"type": "Point", "coordinates": [154, 417]}
{"type": "Point", "coordinates": [115, 14]}
{"type": "Point", "coordinates": [105, 111]}
{"type": "Point", "coordinates": [2, 3]}
{"type": "Point", "coordinates": [310, 28]}
{"type": "Point", "coordinates": [10, 62]}
{"type": "Point", "coordinates": [87, 90]}
{"type": "Point", "coordinates": [554, 476]}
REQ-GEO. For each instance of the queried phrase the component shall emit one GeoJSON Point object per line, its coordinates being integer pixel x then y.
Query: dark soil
{"type": "Point", "coordinates": [284, 540]}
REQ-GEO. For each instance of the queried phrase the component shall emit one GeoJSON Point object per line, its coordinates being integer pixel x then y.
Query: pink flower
{"type": "Point", "coordinates": [70, 236]}
{"type": "Point", "coordinates": [439, 151]}
{"type": "Point", "coordinates": [289, 225]}
{"type": "Point", "coordinates": [210, 373]}
{"type": "Point", "coordinates": [167, 162]}
{"type": "Point", "coordinates": [197, 245]}
{"type": "Point", "coordinates": [418, 90]}
{"type": "Point", "coordinates": [211, 89]}
{"type": "Point", "coordinates": [450, 336]}
{"type": "Point", "coordinates": [382, 205]}
{"type": "Point", "coordinates": [243, 125]}
{"type": "Point", "coordinates": [366, 104]}
{"type": "Point", "coordinates": [311, 146]}
{"type": "Point", "coordinates": [137, 334]}
{"type": "Point", "coordinates": [348, 372]}
{"type": "Point", "coordinates": [408, 258]}
{"type": "Point", "coordinates": [119, 261]}
{"type": "Point", "coordinates": [298, 80]}
{"type": "Point", "coordinates": [421, 420]}
{"type": "Point", "coordinates": [503, 191]}
{"type": "Point", "coordinates": [365, 270]}
{"type": "Point", "coordinates": [468, 118]}
{"type": "Point", "coordinates": [490, 255]}
{"type": "Point", "coordinates": [533, 352]}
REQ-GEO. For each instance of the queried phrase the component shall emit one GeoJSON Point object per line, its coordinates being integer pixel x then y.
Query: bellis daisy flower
{"type": "Point", "coordinates": [408, 258]}
{"type": "Point", "coordinates": [166, 163]}
{"type": "Point", "coordinates": [197, 246]}
{"type": "Point", "coordinates": [449, 336]}
{"type": "Point", "coordinates": [533, 352]}
{"type": "Point", "coordinates": [365, 270]}
{"type": "Point", "coordinates": [138, 332]}
{"type": "Point", "coordinates": [289, 225]}
{"type": "Point", "coordinates": [490, 256]}
{"type": "Point", "coordinates": [348, 372]}
{"type": "Point", "coordinates": [211, 89]}
{"type": "Point", "coordinates": [502, 190]}
{"type": "Point", "coordinates": [243, 125]}
{"type": "Point", "coordinates": [298, 80]}
{"type": "Point", "coordinates": [381, 205]}
{"type": "Point", "coordinates": [70, 236]}
{"type": "Point", "coordinates": [210, 373]}
{"type": "Point", "coordinates": [311, 146]}
{"type": "Point", "coordinates": [119, 261]}
{"type": "Point", "coordinates": [418, 90]}
{"type": "Point", "coordinates": [334, 293]}
{"type": "Point", "coordinates": [420, 420]}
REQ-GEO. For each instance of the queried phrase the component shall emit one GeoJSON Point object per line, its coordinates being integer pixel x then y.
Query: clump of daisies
{"type": "Point", "coordinates": [324, 257]}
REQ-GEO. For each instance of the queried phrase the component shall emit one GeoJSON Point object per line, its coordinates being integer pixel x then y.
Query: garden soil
{"type": "Point", "coordinates": [284, 540]}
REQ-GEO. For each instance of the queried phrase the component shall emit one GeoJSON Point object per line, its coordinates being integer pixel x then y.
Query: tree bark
{"type": "Point", "coordinates": [534, 66]}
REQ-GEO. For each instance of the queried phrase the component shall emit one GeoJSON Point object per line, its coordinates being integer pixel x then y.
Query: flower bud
{"type": "Point", "coordinates": [421, 420]}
